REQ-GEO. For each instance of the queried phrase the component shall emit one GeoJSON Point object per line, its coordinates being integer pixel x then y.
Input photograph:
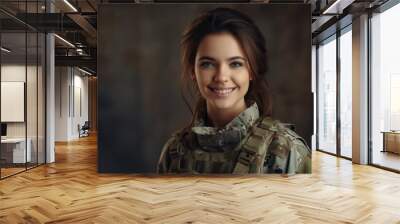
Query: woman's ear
{"type": "Point", "coordinates": [193, 77]}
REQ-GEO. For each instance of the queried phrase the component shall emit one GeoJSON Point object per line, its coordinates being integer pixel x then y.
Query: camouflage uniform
{"type": "Point", "coordinates": [248, 144]}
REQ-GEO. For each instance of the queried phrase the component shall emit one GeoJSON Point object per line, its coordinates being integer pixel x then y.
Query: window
{"type": "Point", "coordinates": [385, 85]}
{"type": "Point", "coordinates": [327, 95]}
{"type": "Point", "coordinates": [346, 93]}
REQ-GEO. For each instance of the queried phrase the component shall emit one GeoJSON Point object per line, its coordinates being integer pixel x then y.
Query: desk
{"type": "Point", "coordinates": [391, 141]}
{"type": "Point", "coordinates": [13, 150]}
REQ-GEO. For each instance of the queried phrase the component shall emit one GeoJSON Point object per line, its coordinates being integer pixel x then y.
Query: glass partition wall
{"type": "Point", "coordinates": [22, 88]}
{"type": "Point", "coordinates": [334, 94]}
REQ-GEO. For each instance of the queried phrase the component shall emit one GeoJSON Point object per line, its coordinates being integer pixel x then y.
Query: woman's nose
{"type": "Point", "coordinates": [222, 74]}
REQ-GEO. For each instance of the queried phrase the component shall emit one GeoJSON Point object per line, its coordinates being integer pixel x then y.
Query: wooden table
{"type": "Point", "coordinates": [391, 141]}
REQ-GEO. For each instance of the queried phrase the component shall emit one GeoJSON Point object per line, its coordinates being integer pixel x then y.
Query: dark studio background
{"type": "Point", "coordinates": [140, 104]}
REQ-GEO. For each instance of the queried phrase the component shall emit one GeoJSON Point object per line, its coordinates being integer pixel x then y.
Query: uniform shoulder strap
{"type": "Point", "coordinates": [294, 136]}
{"type": "Point", "coordinates": [299, 160]}
{"type": "Point", "coordinates": [252, 154]}
{"type": "Point", "coordinates": [171, 154]}
{"type": "Point", "coordinates": [292, 151]}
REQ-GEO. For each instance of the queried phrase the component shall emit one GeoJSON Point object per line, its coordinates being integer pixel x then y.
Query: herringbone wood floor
{"type": "Point", "coordinates": [71, 191]}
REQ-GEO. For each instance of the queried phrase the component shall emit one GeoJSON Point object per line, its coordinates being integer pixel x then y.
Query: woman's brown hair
{"type": "Point", "coordinates": [252, 42]}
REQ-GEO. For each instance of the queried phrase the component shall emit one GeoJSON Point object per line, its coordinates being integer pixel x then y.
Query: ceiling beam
{"type": "Point", "coordinates": [82, 61]}
{"type": "Point", "coordinates": [84, 24]}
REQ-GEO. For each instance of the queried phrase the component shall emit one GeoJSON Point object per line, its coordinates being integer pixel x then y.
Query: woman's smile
{"type": "Point", "coordinates": [222, 92]}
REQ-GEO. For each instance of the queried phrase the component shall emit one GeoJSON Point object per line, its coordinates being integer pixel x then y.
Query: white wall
{"type": "Point", "coordinates": [71, 102]}
{"type": "Point", "coordinates": [62, 81]}
{"type": "Point", "coordinates": [16, 73]}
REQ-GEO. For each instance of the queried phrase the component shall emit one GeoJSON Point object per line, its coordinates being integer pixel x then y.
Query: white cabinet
{"type": "Point", "coordinates": [18, 149]}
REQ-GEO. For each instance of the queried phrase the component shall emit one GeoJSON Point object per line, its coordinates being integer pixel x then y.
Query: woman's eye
{"type": "Point", "coordinates": [206, 64]}
{"type": "Point", "coordinates": [236, 64]}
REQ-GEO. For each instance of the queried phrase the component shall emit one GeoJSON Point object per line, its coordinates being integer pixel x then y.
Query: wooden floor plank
{"type": "Point", "coordinates": [71, 191]}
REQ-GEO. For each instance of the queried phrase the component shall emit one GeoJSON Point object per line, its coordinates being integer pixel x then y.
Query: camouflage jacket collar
{"type": "Point", "coordinates": [228, 137]}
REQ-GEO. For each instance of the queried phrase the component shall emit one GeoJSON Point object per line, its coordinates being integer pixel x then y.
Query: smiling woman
{"type": "Point", "coordinates": [224, 64]}
{"type": "Point", "coordinates": [223, 77]}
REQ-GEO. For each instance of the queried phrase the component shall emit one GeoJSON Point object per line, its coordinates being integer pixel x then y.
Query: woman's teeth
{"type": "Point", "coordinates": [223, 92]}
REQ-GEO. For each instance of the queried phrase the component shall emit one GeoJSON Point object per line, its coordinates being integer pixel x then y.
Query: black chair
{"type": "Point", "coordinates": [84, 130]}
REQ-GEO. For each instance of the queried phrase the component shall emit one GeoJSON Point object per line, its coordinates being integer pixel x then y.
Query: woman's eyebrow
{"type": "Point", "coordinates": [206, 58]}
{"type": "Point", "coordinates": [236, 57]}
{"type": "Point", "coordinates": [229, 59]}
